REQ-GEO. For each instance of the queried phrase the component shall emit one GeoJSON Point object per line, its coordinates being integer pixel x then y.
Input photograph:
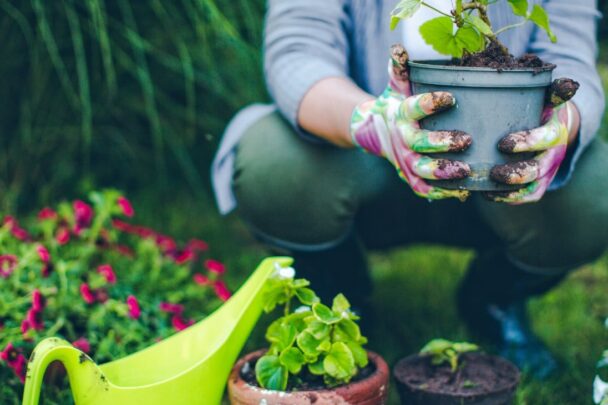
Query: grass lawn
{"type": "Point", "coordinates": [414, 292]}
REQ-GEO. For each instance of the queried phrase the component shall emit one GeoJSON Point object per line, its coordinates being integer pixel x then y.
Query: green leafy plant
{"type": "Point", "coordinates": [313, 341]}
{"type": "Point", "coordinates": [446, 352]}
{"type": "Point", "coordinates": [467, 28]}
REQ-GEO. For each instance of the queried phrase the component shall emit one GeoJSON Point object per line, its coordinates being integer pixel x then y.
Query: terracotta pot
{"type": "Point", "coordinates": [372, 390]}
{"type": "Point", "coordinates": [416, 391]}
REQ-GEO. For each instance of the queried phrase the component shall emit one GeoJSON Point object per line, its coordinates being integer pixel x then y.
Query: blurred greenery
{"type": "Point", "coordinates": [134, 95]}
{"type": "Point", "coordinates": [122, 92]}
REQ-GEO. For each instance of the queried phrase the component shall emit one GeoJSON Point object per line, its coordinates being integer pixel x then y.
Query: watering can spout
{"type": "Point", "coordinates": [190, 367]}
{"type": "Point", "coordinates": [83, 374]}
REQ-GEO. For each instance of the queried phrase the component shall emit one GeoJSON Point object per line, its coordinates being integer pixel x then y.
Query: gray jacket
{"type": "Point", "coordinates": [309, 40]}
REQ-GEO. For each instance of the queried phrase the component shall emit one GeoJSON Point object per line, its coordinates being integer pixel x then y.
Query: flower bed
{"type": "Point", "coordinates": [86, 273]}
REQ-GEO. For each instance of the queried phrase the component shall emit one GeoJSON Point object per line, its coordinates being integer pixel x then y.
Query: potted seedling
{"type": "Point", "coordinates": [497, 94]}
{"type": "Point", "coordinates": [316, 354]}
{"type": "Point", "coordinates": [450, 373]}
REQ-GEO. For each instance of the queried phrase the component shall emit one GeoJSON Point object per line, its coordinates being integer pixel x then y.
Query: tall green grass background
{"type": "Point", "coordinates": [122, 92]}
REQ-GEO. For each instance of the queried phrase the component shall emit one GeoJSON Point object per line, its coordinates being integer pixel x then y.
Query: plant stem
{"type": "Point", "coordinates": [482, 10]}
{"type": "Point", "coordinates": [508, 27]}
{"type": "Point", "coordinates": [436, 10]}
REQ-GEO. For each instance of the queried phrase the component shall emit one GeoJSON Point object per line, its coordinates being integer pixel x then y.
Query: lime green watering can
{"type": "Point", "coordinates": [190, 367]}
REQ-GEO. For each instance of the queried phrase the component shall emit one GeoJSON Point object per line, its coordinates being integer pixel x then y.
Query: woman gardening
{"type": "Point", "coordinates": [298, 175]}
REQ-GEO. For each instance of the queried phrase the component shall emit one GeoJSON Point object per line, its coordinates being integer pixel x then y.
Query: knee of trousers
{"type": "Point", "coordinates": [568, 227]}
{"type": "Point", "coordinates": [294, 193]}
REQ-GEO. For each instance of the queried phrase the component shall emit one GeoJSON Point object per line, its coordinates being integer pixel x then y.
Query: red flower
{"type": "Point", "coordinates": [197, 245]}
{"type": "Point", "coordinates": [183, 257]}
{"type": "Point", "coordinates": [15, 360]}
{"type": "Point", "coordinates": [38, 300]}
{"type": "Point", "coordinates": [106, 271]}
{"type": "Point", "coordinates": [25, 326]}
{"type": "Point", "coordinates": [171, 308]}
{"type": "Point", "coordinates": [34, 319]}
{"type": "Point", "coordinates": [82, 344]}
{"type": "Point", "coordinates": [7, 265]}
{"type": "Point", "coordinates": [43, 253]}
{"type": "Point", "coordinates": [200, 279]}
{"type": "Point", "coordinates": [47, 213]}
{"type": "Point", "coordinates": [215, 266]}
{"type": "Point", "coordinates": [63, 235]}
{"type": "Point", "coordinates": [123, 226]}
{"type": "Point", "coordinates": [15, 229]}
{"type": "Point", "coordinates": [125, 206]}
{"type": "Point", "coordinates": [86, 293]}
{"type": "Point", "coordinates": [165, 243]}
{"type": "Point", "coordinates": [180, 323]}
{"type": "Point", "coordinates": [221, 290]}
{"type": "Point", "coordinates": [134, 310]}
{"type": "Point", "coordinates": [83, 213]}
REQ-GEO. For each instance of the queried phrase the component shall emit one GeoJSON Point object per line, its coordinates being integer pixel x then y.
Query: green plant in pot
{"type": "Point", "coordinates": [497, 94]}
{"type": "Point", "coordinates": [446, 373]}
{"type": "Point", "coordinates": [316, 353]}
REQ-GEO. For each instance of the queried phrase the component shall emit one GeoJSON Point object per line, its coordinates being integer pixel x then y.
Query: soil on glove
{"type": "Point", "coordinates": [495, 57]}
{"type": "Point", "coordinates": [478, 375]}
{"type": "Point", "coordinates": [305, 381]}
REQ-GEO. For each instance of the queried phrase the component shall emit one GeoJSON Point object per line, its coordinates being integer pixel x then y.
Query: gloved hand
{"type": "Point", "coordinates": [551, 139]}
{"type": "Point", "coordinates": [388, 127]}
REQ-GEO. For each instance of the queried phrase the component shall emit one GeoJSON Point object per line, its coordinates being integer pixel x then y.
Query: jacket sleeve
{"type": "Point", "coordinates": [305, 41]}
{"type": "Point", "coordinates": [575, 25]}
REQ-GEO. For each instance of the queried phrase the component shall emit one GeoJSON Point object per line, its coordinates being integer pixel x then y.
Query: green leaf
{"type": "Point", "coordinates": [359, 354]}
{"type": "Point", "coordinates": [436, 346]}
{"type": "Point", "coordinates": [404, 9]}
{"type": "Point", "coordinates": [539, 17]}
{"type": "Point", "coordinates": [339, 362]}
{"type": "Point", "coordinates": [293, 359]}
{"type": "Point", "coordinates": [283, 335]}
{"type": "Point", "coordinates": [347, 330]}
{"type": "Point", "coordinates": [318, 329]}
{"type": "Point", "coordinates": [520, 7]}
{"type": "Point", "coordinates": [464, 347]}
{"type": "Point", "coordinates": [324, 314]}
{"type": "Point", "coordinates": [306, 296]}
{"type": "Point", "coordinates": [316, 368]}
{"type": "Point", "coordinates": [300, 283]}
{"type": "Point", "coordinates": [270, 373]}
{"type": "Point", "coordinates": [308, 344]}
{"type": "Point", "coordinates": [324, 346]}
{"type": "Point", "coordinates": [479, 24]}
{"type": "Point", "coordinates": [340, 304]}
{"type": "Point", "coordinates": [439, 33]}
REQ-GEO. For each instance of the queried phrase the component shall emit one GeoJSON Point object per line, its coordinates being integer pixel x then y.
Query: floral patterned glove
{"type": "Point", "coordinates": [388, 127]}
{"type": "Point", "coordinates": [551, 140]}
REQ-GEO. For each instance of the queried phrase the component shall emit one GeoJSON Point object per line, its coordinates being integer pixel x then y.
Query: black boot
{"type": "Point", "coordinates": [492, 302]}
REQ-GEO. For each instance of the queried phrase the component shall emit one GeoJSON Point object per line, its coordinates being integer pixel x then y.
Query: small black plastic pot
{"type": "Point", "coordinates": [491, 103]}
{"type": "Point", "coordinates": [412, 376]}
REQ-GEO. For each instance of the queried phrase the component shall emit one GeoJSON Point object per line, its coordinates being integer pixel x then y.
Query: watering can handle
{"type": "Point", "coordinates": [76, 362]}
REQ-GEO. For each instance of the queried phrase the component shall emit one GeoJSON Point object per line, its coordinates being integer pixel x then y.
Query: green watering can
{"type": "Point", "coordinates": [190, 367]}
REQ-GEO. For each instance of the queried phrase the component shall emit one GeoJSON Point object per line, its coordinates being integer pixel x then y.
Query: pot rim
{"type": "Point", "coordinates": [506, 388]}
{"type": "Point", "coordinates": [441, 64]}
{"type": "Point", "coordinates": [382, 370]}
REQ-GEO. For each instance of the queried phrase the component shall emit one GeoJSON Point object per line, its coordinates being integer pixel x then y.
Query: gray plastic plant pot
{"type": "Point", "coordinates": [490, 104]}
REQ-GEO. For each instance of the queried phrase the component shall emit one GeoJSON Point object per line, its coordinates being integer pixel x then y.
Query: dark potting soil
{"type": "Point", "coordinates": [497, 57]}
{"type": "Point", "coordinates": [304, 381]}
{"type": "Point", "coordinates": [477, 375]}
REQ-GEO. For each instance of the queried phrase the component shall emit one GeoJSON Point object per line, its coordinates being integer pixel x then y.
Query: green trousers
{"type": "Point", "coordinates": [303, 196]}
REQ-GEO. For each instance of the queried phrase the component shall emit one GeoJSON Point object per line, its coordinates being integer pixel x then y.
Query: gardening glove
{"type": "Point", "coordinates": [388, 127]}
{"type": "Point", "coordinates": [551, 140]}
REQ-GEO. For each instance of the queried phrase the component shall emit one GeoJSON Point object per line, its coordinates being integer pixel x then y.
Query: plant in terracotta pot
{"type": "Point", "coordinates": [497, 93]}
{"type": "Point", "coordinates": [455, 373]}
{"type": "Point", "coordinates": [316, 353]}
